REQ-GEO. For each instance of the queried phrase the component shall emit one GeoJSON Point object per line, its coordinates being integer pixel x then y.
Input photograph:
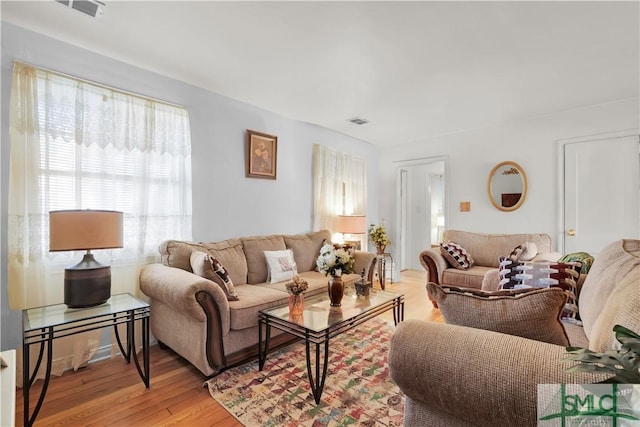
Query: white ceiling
{"type": "Point", "coordinates": [416, 70]}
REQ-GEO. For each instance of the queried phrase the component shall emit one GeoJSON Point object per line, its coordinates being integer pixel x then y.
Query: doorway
{"type": "Point", "coordinates": [421, 208]}
{"type": "Point", "coordinates": [600, 191]}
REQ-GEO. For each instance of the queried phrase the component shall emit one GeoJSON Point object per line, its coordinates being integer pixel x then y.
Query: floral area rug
{"type": "Point", "coordinates": [357, 391]}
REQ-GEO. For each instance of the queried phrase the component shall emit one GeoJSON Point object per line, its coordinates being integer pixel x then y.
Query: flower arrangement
{"type": "Point", "coordinates": [297, 286]}
{"type": "Point", "coordinates": [378, 235]}
{"type": "Point", "coordinates": [334, 262]}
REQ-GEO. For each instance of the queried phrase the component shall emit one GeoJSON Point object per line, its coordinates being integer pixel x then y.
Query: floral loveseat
{"type": "Point", "coordinates": [197, 318]}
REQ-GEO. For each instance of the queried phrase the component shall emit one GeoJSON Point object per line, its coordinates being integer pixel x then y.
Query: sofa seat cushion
{"type": "Point", "coordinates": [576, 335]}
{"type": "Point", "coordinates": [254, 248]}
{"type": "Point", "coordinates": [244, 312]}
{"type": "Point", "coordinates": [317, 282]}
{"type": "Point", "coordinates": [470, 278]}
{"type": "Point", "coordinates": [230, 254]}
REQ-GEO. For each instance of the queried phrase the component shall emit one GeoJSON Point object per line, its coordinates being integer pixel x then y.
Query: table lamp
{"type": "Point", "coordinates": [351, 224]}
{"type": "Point", "coordinates": [87, 283]}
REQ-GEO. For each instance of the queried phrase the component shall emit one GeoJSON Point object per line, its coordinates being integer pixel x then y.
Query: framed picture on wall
{"type": "Point", "coordinates": [261, 155]}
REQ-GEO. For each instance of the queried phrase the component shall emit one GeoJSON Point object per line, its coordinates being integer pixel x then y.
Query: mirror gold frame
{"type": "Point", "coordinates": [516, 191]}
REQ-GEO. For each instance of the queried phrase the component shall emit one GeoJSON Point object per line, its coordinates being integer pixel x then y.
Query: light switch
{"type": "Point", "coordinates": [465, 206]}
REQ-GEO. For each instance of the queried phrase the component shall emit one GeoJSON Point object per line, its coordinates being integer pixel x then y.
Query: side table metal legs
{"type": "Point", "coordinates": [28, 379]}
{"type": "Point", "coordinates": [131, 344]}
{"type": "Point", "coordinates": [381, 267]}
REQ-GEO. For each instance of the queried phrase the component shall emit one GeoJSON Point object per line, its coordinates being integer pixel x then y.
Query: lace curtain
{"type": "Point", "coordinates": [80, 145]}
{"type": "Point", "coordinates": [339, 187]}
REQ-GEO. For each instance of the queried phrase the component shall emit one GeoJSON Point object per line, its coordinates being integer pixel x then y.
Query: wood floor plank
{"type": "Point", "coordinates": [110, 392]}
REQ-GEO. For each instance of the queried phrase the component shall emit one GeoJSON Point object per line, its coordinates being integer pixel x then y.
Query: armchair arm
{"type": "Point", "coordinates": [435, 264]}
{"type": "Point", "coordinates": [477, 378]}
{"type": "Point", "coordinates": [364, 260]}
{"type": "Point", "coordinates": [178, 288]}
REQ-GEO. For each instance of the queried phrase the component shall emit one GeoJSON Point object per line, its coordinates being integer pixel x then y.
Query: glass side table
{"type": "Point", "coordinates": [42, 325]}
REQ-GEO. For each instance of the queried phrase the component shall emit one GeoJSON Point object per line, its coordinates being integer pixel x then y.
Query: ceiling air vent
{"type": "Point", "coordinates": [358, 121]}
{"type": "Point", "coordinates": [88, 7]}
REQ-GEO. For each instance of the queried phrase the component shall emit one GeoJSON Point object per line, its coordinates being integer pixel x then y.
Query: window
{"type": "Point", "coordinates": [80, 145]}
{"type": "Point", "coordinates": [339, 187]}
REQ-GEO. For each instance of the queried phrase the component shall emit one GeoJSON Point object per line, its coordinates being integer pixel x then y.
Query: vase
{"type": "Point", "coordinates": [380, 248]}
{"type": "Point", "coordinates": [296, 304]}
{"type": "Point", "coordinates": [336, 291]}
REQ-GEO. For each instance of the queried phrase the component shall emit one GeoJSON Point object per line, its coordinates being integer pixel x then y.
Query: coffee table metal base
{"type": "Point", "coordinates": [320, 338]}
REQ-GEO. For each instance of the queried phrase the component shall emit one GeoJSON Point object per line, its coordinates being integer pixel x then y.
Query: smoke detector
{"type": "Point", "coordinates": [88, 7]}
{"type": "Point", "coordinates": [358, 121]}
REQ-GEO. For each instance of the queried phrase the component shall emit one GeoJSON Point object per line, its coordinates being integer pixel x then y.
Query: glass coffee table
{"type": "Point", "coordinates": [320, 322]}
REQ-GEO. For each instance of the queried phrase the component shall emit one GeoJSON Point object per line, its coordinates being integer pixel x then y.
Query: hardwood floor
{"type": "Point", "coordinates": [110, 392]}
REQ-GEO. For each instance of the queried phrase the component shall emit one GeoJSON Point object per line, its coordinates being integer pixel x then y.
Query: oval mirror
{"type": "Point", "coordinates": [507, 186]}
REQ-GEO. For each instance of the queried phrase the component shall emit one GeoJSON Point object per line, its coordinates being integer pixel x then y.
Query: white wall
{"type": "Point", "coordinates": [531, 143]}
{"type": "Point", "coordinates": [225, 203]}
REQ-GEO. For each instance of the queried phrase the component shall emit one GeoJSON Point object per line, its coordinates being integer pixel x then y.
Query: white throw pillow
{"type": "Point", "coordinates": [280, 265]}
{"type": "Point", "coordinates": [529, 251]}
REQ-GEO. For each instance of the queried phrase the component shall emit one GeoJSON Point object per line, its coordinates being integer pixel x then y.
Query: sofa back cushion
{"type": "Point", "coordinates": [486, 249]}
{"type": "Point", "coordinates": [231, 256]}
{"type": "Point", "coordinates": [306, 248]}
{"type": "Point", "coordinates": [177, 253]}
{"type": "Point", "coordinates": [611, 293]}
{"type": "Point", "coordinates": [254, 248]}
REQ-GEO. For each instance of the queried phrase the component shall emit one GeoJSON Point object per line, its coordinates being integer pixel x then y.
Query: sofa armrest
{"type": "Point", "coordinates": [364, 260]}
{"type": "Point", "coordinates": [178, 288]}
{"type": "Point", "coordinates": [491, 280]}
{"type": "Point", "coordinates": [479, 377]}
{"type": "Point", "coordinates": [435, 264]}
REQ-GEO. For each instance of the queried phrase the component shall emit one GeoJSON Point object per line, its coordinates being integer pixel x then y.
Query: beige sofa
{"type": "Point", "coordinates": [462, 376]}
{"type": "Point", "coordinates": [192, 315]}
{"type": "Point", "coordinates": [485, 249]}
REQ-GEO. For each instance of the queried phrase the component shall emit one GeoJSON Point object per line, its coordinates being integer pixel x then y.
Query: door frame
{"type": "Point", "coordinates": [399, 251]}
{"type": "Point", "coordinates": [561, 143]}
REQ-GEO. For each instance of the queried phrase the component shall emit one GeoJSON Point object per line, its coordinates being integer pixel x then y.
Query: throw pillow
{"type": "Point", "coordinates": [528, 313]}
{"type": "Point", "coordinates": [527, 274]}
{"type": "Point", "coordinates": [524, 252]}
{"type": "Point", "coordinates": [456, 255]}
{"type": "Point", "coordinates": [280, 265]}
{"type": "Point", "coordinates": [516, 252]}
{"type": "Point", "coordinates": [529, 251]}
{"type": "Point", "coordinates": [204, 265]}
{"type": "Point", "coordinates": [582, 257]}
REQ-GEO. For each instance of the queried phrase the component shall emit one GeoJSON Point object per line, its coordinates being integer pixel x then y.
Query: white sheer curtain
{"type": "Point", "coordinates": [339, 187]}
{"type": "Point", "coordinates": [80, 145]}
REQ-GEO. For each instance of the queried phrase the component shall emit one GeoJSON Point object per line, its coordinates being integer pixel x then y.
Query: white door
{"type": "Point", "coordinates": [601, 193]}
{"type": "Point", "coordinates": [414, 220]}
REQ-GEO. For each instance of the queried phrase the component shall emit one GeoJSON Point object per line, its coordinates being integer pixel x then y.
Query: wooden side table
{"type": "Point", "coordinates": [381, 264]}
{"type": "Point", "coordinates": [42, 325]}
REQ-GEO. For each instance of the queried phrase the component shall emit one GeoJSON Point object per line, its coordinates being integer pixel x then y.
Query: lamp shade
{"type": "Point", "coordinates": [72, 230]}
{"type": "Point", "coordinates": [351, 224]}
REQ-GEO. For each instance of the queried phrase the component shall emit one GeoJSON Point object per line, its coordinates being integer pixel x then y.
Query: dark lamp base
{"type": "Point", "coordinates": [87, 284]}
